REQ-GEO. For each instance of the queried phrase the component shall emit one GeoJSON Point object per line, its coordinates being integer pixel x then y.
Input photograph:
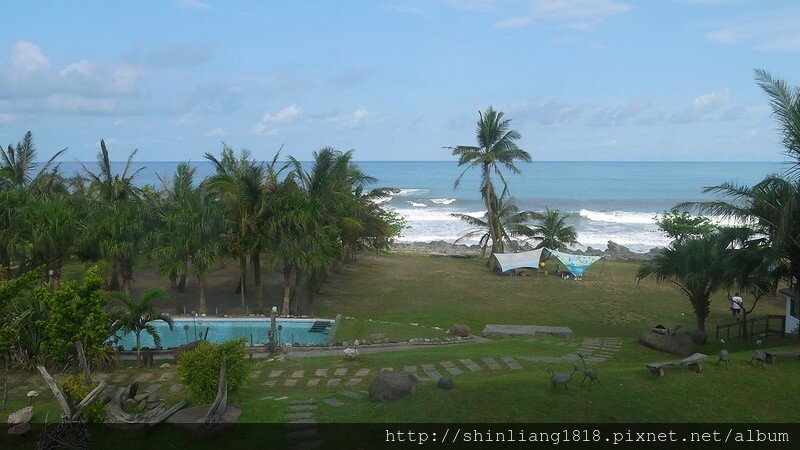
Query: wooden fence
{"type": "Point", "coordinates": [766, 325]}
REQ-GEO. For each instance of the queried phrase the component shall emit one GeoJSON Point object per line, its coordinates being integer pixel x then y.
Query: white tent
{"type": "Point", "coordinates": [510, 261]}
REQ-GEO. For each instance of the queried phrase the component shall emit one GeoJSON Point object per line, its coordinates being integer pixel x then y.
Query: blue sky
{"type": "Point", "coordinates": [398, 79]}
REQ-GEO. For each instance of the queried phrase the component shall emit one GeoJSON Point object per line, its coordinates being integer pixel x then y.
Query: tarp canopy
{"type": "Point", "coordinates": [576, 264]}
{"type": "Point", "coordinates": [510, 261]}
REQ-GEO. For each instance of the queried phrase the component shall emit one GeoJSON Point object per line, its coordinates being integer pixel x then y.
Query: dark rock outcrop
{"type": "Point", "coordinates": [679, 344]}
{"type": "Point", "coordinates": [392, 386]}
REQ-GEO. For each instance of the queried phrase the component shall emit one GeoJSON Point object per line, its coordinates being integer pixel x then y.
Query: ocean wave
{"type": "Point", "coordinates": [433, 215]}
{"type": "Point", "coordinates": [409, 191]}
{"type": "Point", "coordinates": [619, 216]}
{"type": "Point", "coordinates": [381, 200]}
{"type": "Point", "coordinates": [443, 201]}
{"type": "Point", "coordinates": [417, 205]}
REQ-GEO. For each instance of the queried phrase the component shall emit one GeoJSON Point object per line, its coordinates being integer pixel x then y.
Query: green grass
{"type": "Point", "coordinates": [438, 292]}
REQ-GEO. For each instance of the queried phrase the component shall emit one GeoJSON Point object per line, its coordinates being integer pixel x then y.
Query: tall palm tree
{"type": "Point", "coordinates": [239, 181]}
{"type": "Point", "coordinates": [119, 232]}
{"type": "Point", "coordinates": [512, 223]}
{"type": "Point", "coordinates": [551, 229]}
{"type": "Point", "coordinates": [496, 149]}
{"type": "Point", "coordinates": [52, 233]}
{"type": "Point", "coordinates": [785, 103]}
{"type": "Point", "coordinates": [17, 164]}
{"type": "Point", "coordinates": [696, 266]}
{"type": "Point", "coordinates": [135, 316]}
{"type": "Point", "coordinates": [111, 186]}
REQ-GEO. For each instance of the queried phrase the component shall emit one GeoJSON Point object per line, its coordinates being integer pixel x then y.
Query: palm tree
{"type": "Point", "coordinates": [119, 232]}
{"type": "Point", "coordinates": [110, 186]}
{"type": "Point", "coordinates": [696, 266]}
{"type": "Point", "coordinates": [53, 230]}
{"type": "Point", "coordinates": [137, 316]}
{"type": "Point", "coordinates": [785, 103]}
{"type": "Point", "coordinates": [496, 148]}
{"type": "Point", "coordinates": [239, 181]}
{"type": "Point", "coordinates": [512, 223]}
{"type": "Point", "coordinates": [552, 230]}
{"type": "Point", "coordinates": [18, 164]}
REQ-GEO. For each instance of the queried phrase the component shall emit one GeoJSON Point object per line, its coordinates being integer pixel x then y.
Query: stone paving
{"type": "Point", "coordinates": [301, 431]}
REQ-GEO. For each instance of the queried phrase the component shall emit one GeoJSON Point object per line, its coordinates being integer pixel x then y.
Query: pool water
{"type": "Point", "coordinates": [290, 331]}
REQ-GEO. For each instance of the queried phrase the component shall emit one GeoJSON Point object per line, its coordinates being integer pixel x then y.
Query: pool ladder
{"type": "Point", "coordinates": [319, 326]}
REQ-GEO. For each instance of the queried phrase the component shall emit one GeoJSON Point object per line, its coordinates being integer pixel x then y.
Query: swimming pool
{"type": "Point", "coordinates": [290, 331]}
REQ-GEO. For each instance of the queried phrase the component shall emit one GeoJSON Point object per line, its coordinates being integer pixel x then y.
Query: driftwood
{"type": "Point", "coordinates": [693, 363]}
{"type": "Point", "coordinates": [83, 364]}
{"type": "Point", "coordinates": [150, 417]}
{"type": "Point", "coordinates": [70, 412]}
{"type": "Point", "coordinates": [217, 409]}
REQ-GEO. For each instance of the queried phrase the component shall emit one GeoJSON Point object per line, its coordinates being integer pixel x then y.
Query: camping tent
{"type": "Point", "coordinates": [510, 261]}
{"type": "Point", "coordinates": [575, 263]}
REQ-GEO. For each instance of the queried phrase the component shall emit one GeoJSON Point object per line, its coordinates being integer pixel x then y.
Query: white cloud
{"type": "Point", "coordinates": [775, 32]}
{"type": "Point", "coordinates": [187, 119]}
{"type": "Point", "coordinates": [711, 106]}
{"type": "Point", "coordinates": [405, 9]}
{"type": "Point", "coordinates": [354, 120]}
{"type": "Point", "coordinates": [8, 118]}
{"type": "Point", "coordinates": [215, 132]}
{"type": "Point", "coordinates": [711, 101]}
{"type": "Point", "coordinates": [192, 4]}
{"type": "Point", "coordinates": [27, 57]}
{"type": "Point", "coordinates": [285, 116]}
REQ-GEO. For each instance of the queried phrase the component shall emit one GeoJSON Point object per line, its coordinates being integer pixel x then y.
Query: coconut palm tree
{"type": "Point", "coordinates": [785, 103]}
{"type": "Point", "coordinates": [135, 316]}
{"type": "Point", "coordinates": [119, 232]}
{"type": "Point", "coordinates": [551, 229]}
{"type": "Point", "coordinates": [17, 164]}
{"type": "Point", "coordinates": [109, 186]}
{"type": "Point", "coordinates": [696, 266]}
{"type": "Point", "coordinates": [496, 149]}
{"type": "Point", "coordinates": [511, 221]}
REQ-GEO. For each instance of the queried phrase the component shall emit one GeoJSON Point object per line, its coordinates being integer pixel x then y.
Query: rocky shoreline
{"type": "Point", "coordinates": [443, 248]}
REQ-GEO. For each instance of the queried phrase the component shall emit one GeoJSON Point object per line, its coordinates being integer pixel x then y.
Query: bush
{"type": "Point", "coordinates": [74, 390]}
{"type": "Point", "coordinates": [198, 370]}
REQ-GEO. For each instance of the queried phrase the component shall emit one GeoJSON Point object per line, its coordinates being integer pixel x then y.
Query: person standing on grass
{"type": "Point", "coordinates": [736, 305]}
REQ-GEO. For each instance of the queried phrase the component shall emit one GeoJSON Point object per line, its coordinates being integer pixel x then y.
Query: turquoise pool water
{"type": "Point", "coordinates": [291, 331]}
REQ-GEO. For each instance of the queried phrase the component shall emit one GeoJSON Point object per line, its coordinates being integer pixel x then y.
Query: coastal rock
{"type": "Point", "coordinates": [680, 344]}
{"type": "Point", "coordinates": [23, 415]}
{"type": "Point", "coordinates": [460, 329]}
{"type": "Point", "coordinates": [444, 383]}
{"type": "Point", "coordinates": [392, 386]}
{"type": "Point", "coordinates": [442, 248]}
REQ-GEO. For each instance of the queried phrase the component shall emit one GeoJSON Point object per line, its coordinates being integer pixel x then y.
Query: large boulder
{"type": "Point", "coordinates": [680, 344]}
{"type": "Point", "coordinates": [392, 386]}
{"type": "Point", "coordinates": [698, 336]}
{"type": "Point", "coordinates": [23, 415]}
{"type": "Point", "coordinates": [460, 329]}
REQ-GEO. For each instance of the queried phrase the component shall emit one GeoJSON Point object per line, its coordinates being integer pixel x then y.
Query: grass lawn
{"type": "Point", "coordinates": [438, 292]}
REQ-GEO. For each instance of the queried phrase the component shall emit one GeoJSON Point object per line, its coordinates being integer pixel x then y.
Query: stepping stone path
{"type": "Point", "coordinates": [301, 432]}
{"type": "Point", "coordinates": [255, 374]}
{"type": "Point", "coordinates": [450, 367]}
{"type": "Point", "coordinates": [175, 388]}
{"type": "Point", "coordinates": [333, 401]}
{"type": "Point", "coordinates": [354, 381]}
{"type": "Point", "coordinates": [362, 373]}
{"type": "Point", "coordinates": [471, 365]}
{"type": "Point", "coordinates": [351, 394]}
{"type": "Point", "coordinates": [143, 377]}
{"type": "Point", "coordinates": [431, 372]}
{"type": "Point", "coordinates": [299, 374]}
{"type": "Point", "coordinates": [340, 372]}
{"type": "Point", "coordinates": [493, 365]}
{"type": "Point", "coordinates": [321, 373]}
{"type": "Point", "coordinates": [511, 363]}
{"type": "Point", "coordinates": [333, 382]}
{"type": "Point", "coordinates": [275, 373]}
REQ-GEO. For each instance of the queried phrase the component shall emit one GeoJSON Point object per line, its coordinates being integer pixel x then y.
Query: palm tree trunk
{"type": "Point", "coordinates": [173, 294]}
{"type": "Point", "coordinates": [255, 260]}
{"type": "Point", "coordinates": [488, 195]}
{"type": "Point", "coordinates": [701, 322]}
{"type": "Point", "coordinates": [182, 281]}
{"type": "Point", "coordinates": [241, 288]}
{"type": "Point", "coordinates": [113, 283]}
{"type": "Point", "coordinates": [126, 287]}
{"type": "Point", "coordinates": [201, 284]}
{"type": "Point", "coordinates": [288, 282]}
{"type": "Point", "coordinates": [138, 348]}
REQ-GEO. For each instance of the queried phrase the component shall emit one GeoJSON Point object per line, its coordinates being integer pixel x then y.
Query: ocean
{"type": "Point", "coordinates": [605, 201]}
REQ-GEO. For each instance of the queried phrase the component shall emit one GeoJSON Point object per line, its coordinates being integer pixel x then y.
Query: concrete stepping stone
{"type": "Point", "coordinates": [290, 382]}
{"type": "Point", "coordinates": [353, 381]}
{"type": "Point", "coordinates": [308, 445]}
{"type": "Point", "coordinates": [269, 383]}
{"type": "Point", "coordinates": [301, 401]}
{"type": "Point", "coordinates": [340, 372]}
{"type": "Point", "coordinates": [450, 367]}
{"type": "Point", "coordinates": [361, 373]}
{"type": "Point", "coordinates": [143, 377]}
{"type": "Point", "coordinates": [511, 362]}
{"type": "Point", "coordinates": [175, 388]}
{"type": "Point", "coordinates": [333, 382]}
{"type": "Point", "coordinates": [299, 434]}
{"type": "Point", "coordinates": [334, 401]}
{"type": "Point", "coordinates": [410, 369]}
{"type": "Point", "coordinates": [351, 394]}
{"type": "Point", "coordinates": [299, 415]}
{"type": "Point", "coordinates": [276, 373]}
{"type": "Point", "coordinates": [431, 371]}
{"type": "Point", "coordinates": [570, 357]}
{"type": "Point", "coordinates": [302, 407]}
{"type": "Point", "coordinates": [471, 365]}
{"type": "Point", "coordinates": [491, 363]}
{"type": "Point", "coordinates": [313, 382]}
{"type": "Point", "coordinates": [299, 374]}
{"type": "Point", "coordinates": [255, 374]}
{"type": "Point", "coordinates": [299, 422]}
{"type": "Point", "coordinates": [321, 372]}
{"type": "Point", "coordinates": [387, 369]}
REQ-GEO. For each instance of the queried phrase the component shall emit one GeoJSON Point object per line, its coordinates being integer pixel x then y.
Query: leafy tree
{"type": "Point", "coordinates": [679, 225]}
{"type": "Point", "coordinates": [76, 313]}
{"type": "Point", "coordinates": [135, 316]}
{"type": "Point", "coordinates": [198, 370]}
{"type": "Point", "coordinates": [511, 223]}
{"type": "Point", "coordinates": [696, 265]}
{"type": "Point", "coordinates": [496, 148]}
{"type": "Point", "coordinates": [551, 229]}
{"type": "Point", "coordinates": [52, 233]}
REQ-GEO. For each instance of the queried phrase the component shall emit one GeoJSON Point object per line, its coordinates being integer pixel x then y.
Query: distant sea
{"type": "Point", "coordinates": [605, 201]}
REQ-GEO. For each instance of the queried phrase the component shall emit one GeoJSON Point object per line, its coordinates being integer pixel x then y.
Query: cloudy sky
{"type": "Point", "coordinates": [397, 79]}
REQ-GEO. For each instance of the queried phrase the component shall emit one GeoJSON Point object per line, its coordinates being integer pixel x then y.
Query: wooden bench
{"type": "Point", "coordinates": [693, 362]}
{"type": "Point", "coordinates": [771, 355]}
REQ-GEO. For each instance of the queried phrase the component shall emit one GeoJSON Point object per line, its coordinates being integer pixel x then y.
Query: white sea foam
{"type": "Point", "coordinates": [619, 216]}
{"type": "Point", "coordinates": [443, 201]}
{"type": "Point", "coordinates": [381, 200]}
{"type": "Point", "coordinates": [411, 191]}
{"type": "Point", "coordinates": [417, 205]}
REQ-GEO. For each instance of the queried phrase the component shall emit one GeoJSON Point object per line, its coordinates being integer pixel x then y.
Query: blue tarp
{"type": "Point", "coordinates": [576, 264]}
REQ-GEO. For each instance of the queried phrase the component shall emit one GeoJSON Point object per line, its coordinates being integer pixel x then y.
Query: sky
{"type": "Point", "coordinates": [589, 80]}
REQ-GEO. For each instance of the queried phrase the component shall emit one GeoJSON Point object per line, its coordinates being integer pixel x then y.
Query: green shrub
{"type": "Point", "coordinates": [74, 390]}
{"type": "Point", "coordinates": [198, 370]}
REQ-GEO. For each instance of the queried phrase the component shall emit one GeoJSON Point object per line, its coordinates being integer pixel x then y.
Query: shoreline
{"type": "Point", "coordinates": [443, 248]}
